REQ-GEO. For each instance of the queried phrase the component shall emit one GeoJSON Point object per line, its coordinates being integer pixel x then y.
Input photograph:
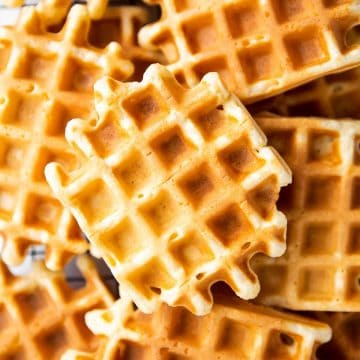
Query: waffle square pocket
{"type": "Point", "coordinates": [178, 191]}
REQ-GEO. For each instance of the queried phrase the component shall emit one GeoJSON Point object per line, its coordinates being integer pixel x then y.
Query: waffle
{"type": "Point", "coordinates": [334, 96]}
{"type": "Point", "coordinates": [52, 11]}
{"type": "Point", "coordinates": [239, 330]}
{"type": "Point", "coordinates": [208, 207]}
{"type": "Point", "coordinates": [56, 9]}
{"type": "Point", "coordinates": [121, 24]}
{"type": "Point", "coordinates": [259, 48]}
{"type": "Point", "coordinates": [42, 316]}
{"type": "Point", "coordinates": [46, 79]}
{"type": "Point", "coordinates": [320, 269]}
{"type": "Point", "coordinates": [345, 344]}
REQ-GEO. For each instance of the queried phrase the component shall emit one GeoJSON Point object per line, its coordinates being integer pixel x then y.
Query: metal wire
{"type": "Point", "coordinates": [72, 273]}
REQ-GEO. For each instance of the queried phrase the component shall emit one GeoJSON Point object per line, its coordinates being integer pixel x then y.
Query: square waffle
{"type": "Point", "coordinates": [320, 269]}
{"type": "Point", "coordinates": [345, 343]}
{"type": "Point", "coordinates": [260, 48]}
{"type": "Point", "coordinates": [42, 316]}
{"type": "Point", "coordinates": [333, 96]}
{"type": "Point", "coordinates": [46, 79]}
{"type": "Point", "coordinates": [178, 190]}
{"type": "Point", "coordinates": [239, 330]}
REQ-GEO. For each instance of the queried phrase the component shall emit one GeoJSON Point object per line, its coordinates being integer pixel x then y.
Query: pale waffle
{"type": "Point", "coordinates": [321, 267]}
{"type": "Point", "coordinates": [260, 48]}
{"type": "Point", "coordinates": [334, 96]}
{"type": "Point", "coordinates": [42, 316]}
{"type": "Point", "coordinates": [233, 330]}
{"type": "Point", "coordinates": [345, 343]}
{"type": "Point", "coordinates": [46, 79]}
{"type": "Point", "coordinates": [121, 24]}
{"type": "Point", "coordinates": [178, 190]}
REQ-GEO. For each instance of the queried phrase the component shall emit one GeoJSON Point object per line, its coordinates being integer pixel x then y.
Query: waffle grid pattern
{"type": "Point", "coordinates": [258, 49]}
{"type": "Point", "coordinates": [121, 24]}
{"type": "Point", "coordinates": [334, 96]}
{"type": "Point", "coordinates": [55, 9]}
{"type": "Point", "coordinates": [43, 80]}
{"type": "Point", "coordinates": [230, 194]}
{"type": "Point", "coordinates": [41, 316]}
{"type": "Point", "coordinates": [238, 331]}
{"type": "Point", "coordinates": [320, 269]}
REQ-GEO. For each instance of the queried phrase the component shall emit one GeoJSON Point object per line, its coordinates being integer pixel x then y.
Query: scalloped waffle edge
{"type": "Point", "coordinates": [239, 330]}
{"type": "Point", "coordinates": [259, 48]}
{"type": "Point", "coordinates": [42, 316]}
{"type": "Point", "coordinates": [212, 165]}
{"type": "Point", "coordinates": [46, 80]}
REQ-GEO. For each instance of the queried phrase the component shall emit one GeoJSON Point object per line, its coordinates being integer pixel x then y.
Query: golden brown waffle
{"type": "Point", "coordinates": [121, 24]}
{"type": "Point", "coordinates": [233, 330]}
{"type": "Point", "coordinates": [260, 48]}
{"type": "Point", "coordinates": [46, 79]}
{"type": "Point", "coordinates": [345, 343]}
{"type": "Point", "coordinates": [52, 11]}
{"type": "Point", "coordinates": [333, 96]}
{"type": "Point", "coordinates": [42, 316]}
{"type": "Point", "coordinates": [97, 8]}
{"type": "Point", "coordinates": [320, 269]}
{"type": "Point", "coordinates": [178, 190]}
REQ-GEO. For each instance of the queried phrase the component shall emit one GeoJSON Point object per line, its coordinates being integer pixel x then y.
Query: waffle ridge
{"type": "Point", "coordinates": [334, 96]}
{"type": "Point", "coordinates": [260, 48]}
{"type": "Point", "coordinates": [320, 268]}
{"type": "Point", "coordinates": [121, 24]}
{"type": "Point", "coordinates": [238, 330]}
{"type": "Point", "coordinates": [42, 316]}
{"type": "Point", "coordinates": [46, 80]}
{"type": "Point", "coordinates": [55, 10]}
{"type": "Point", "coordinates": [158, 124]}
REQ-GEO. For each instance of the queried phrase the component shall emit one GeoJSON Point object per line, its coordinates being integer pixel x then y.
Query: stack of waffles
{"type": "Point", "coordinates": [232, 232]}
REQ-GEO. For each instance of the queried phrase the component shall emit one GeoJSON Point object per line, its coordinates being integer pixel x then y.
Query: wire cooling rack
{"type": "Point", "coordinates": [73, 275]}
